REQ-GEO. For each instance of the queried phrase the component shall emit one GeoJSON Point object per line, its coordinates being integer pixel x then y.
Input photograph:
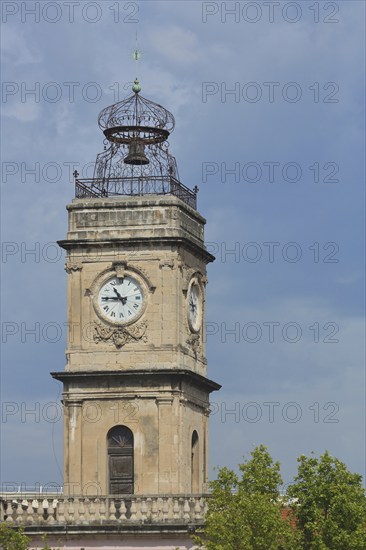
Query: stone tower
{"type": "Point", "coordinates": [136, 392]}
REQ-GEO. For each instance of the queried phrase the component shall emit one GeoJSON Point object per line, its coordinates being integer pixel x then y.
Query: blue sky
{"type": "Point", "coordinates": [298, 389]}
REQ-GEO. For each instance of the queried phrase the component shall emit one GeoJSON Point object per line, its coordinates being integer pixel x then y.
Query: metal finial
{"type": "Point", "coordinates": [136, 86]}
{"type": "Point", "coordinates": [136, 55]}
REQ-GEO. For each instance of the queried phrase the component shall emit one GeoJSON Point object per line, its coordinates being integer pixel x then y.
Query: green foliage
{"type": "Point", "coordinates": [12, 539]}
{"type": "Point", "coordinates": [330, 505]}
{"type": "Point", "coordinates": [45, 546]}
{"type": "Point", "coordinates": [15, 539]}
{"type": "Point", "coordinates": [244, 513]}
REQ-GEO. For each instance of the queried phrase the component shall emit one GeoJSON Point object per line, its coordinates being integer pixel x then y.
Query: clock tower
{"type": "Point", "coordinates": [135, 386]}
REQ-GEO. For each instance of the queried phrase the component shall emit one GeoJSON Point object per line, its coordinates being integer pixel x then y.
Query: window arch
{"type": "Point", "coordinates": [120, 449]}
{"type": "Point", "coordinates": [195, 475]}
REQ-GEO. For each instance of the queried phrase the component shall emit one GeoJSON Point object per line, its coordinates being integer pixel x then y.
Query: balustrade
{"type": "Point", "coordinates": [94, 510]}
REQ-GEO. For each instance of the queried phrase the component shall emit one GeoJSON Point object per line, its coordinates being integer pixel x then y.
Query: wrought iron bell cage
{"type": "Point", "coordinates": [136, 158]}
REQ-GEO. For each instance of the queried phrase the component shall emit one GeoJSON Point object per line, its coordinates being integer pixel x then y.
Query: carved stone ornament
{"type": "Point", "coordinates": [194, 342]}
{"type": "Point", "coordinates": [71, 267]}
{"type": "Point", "coordinates": [169, 263]}
{"type": "Point", "coordinates": [120, 268]}
{"type": "Point", "coordinates": [188, 273]}
{"type": "Point", "coordinates": [120, 336]}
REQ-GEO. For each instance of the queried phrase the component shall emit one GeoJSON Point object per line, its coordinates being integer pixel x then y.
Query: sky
{"type": "Point", "coordinates": [268, 99]}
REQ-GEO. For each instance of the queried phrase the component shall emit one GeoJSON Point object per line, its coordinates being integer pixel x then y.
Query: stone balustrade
{"type": "Point", "coordinates": [61, 510]}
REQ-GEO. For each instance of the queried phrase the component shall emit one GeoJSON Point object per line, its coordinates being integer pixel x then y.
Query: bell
{"type": "Point", "coordinates": [136, 154]}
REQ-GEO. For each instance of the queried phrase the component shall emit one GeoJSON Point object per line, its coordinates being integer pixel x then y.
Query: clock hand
{"type": "Point", "coordinates": [123, 299]}
{"type": "Point", "coordinates": [105, 298]}
{"type": "Point", "coordinates": [118, 294]}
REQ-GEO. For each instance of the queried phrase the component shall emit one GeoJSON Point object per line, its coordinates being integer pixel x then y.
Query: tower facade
{"type": "Point", "coordinates": [136, 392]}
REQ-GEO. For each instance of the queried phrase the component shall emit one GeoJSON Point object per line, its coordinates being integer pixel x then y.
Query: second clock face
{"type": "Point", "coordinates": [121, 300]}
{"type": "Point", "coordinates": [194, 306]}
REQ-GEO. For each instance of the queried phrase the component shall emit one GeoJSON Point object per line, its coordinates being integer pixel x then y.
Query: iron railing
{"type": "Point", "coordinates": [128, 186]}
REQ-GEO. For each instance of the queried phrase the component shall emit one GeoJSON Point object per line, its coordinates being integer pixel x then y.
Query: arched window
{"type": "Point", "coordinates": [120, 460]}
{"type": "Point", "coordinates": [195, 474]}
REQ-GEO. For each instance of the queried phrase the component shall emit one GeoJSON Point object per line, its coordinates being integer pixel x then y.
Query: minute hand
{"type": "Point", "coordinates": [121, 298]}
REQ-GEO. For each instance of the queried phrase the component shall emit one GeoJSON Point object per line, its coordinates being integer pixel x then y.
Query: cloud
{"type": "Point", "coordinates": [180, 53]}
{"type": "Point", "coordinates": [22, 112]}
{"type": "Point", "coordinates": [176, 44]}
{"type": "Point", "coordinates": [17, 49]}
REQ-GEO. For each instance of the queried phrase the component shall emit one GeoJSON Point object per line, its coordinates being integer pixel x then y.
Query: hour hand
{"type": "Point", "coordinates": [105, 298]}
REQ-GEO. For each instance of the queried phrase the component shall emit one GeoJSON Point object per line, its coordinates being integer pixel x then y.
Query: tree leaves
{"type": "Point", "coordinates": [330, 504]}
{"type": "Point", "coordinates": [324, 509]}
{"type": "Point", "coordinates": [11, 539]}
{"type": "Point", "coordinates": [245, 513]}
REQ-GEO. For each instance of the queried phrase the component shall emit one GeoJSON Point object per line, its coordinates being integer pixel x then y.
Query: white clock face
{"type": "Point", "coordinates": [194, 306]}
{"type": "Point", "coordinates": [121, 300]}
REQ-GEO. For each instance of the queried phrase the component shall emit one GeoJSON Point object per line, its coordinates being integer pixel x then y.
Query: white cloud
{"type": "Point", "coordinates": [176, 44]}
{"type": "Point", "coordinates": [17, 49]}
{"type": "Point", "coordinates": [180, 52]}
{"type": "Point", "coordinates": [23, 112]}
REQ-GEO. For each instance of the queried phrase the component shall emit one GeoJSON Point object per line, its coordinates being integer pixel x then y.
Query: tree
{"type": "Point", "coordinates": [11, 539]}
{"type": "Point", "coordinates": [15, 539]}
{"type": "Point", "coordinates": [329, 504]}
{"type": "Point", "coordinates": [245, 513]}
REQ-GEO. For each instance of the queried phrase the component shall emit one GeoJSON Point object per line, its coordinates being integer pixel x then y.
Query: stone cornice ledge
{"type": "Point", "coordinates": [71, 376]}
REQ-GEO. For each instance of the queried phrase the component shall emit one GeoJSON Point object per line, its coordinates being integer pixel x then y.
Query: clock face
{"type": "Point", "coordinates": [194, 306]}
{"type": "Point", "coordinates": [121, 300]}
